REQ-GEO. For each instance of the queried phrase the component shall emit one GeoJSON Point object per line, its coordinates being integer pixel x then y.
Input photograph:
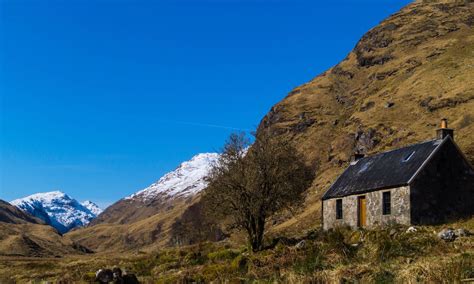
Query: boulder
{"type": "Point", "coordinates": [115, 276]}
{"type": "Point", "coordinates": [411, 230]}
{"type": "Point", "coordinates": [104, 276]}
{"type": "Point", "coordinates": [447, 235]}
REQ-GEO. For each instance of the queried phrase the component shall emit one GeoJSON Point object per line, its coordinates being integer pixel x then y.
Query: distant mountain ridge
{"type": "Point", "coordinates": [58, 210]}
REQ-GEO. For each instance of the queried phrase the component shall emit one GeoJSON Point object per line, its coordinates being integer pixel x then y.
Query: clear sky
{"type": "Point", "coordinates": [99, 98]}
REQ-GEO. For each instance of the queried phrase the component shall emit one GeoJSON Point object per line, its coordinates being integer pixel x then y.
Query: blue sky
{"type": "Point", "coordinates": [100, 98]}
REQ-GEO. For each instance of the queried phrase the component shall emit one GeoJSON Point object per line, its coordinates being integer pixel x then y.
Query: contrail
{"type": "Point", "coordinates": [212, 125]}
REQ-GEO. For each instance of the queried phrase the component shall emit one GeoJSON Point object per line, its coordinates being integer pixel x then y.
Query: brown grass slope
{"type": "Point", "coordinates": [402, 77]}
{"type": "Point", "coordinates": [133, 226]}
{"type": "Point", "coordinates": [11, 214]}
{"type": "Point", "coordinates": [33, 240]}
{"type": "Point", "coordinates": [127, 211]}
{"type": "Point", "coordinates": [24, 235]}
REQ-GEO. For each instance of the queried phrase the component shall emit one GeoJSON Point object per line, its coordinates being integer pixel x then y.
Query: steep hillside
{"type": "Point", "coordinates": [58, 210]}
{"type": "Point", "coordinates": [24, 235]}
{"type": "Point", "coordinates": [402, 77]}
{"type": "Point", "coordinates": [12, 215]}
{"type": "Point", "coordinates": [148, 217]}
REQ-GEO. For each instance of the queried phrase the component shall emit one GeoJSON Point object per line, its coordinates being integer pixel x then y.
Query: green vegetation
{"type": "Point", "coordinates": [225, 254]}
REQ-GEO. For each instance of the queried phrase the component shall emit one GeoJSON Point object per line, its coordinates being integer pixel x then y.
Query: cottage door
{"type": "Point", "coordinates": [362, 211]}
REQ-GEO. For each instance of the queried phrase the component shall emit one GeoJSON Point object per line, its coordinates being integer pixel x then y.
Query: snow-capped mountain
{"type": "Point", "coordinates": [58, 210]}
{"type": "Point", "coordinates": [186, 180]}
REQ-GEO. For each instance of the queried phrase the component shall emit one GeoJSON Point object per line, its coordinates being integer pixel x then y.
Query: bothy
{"type": "Point", "coordinates": [427, 183]}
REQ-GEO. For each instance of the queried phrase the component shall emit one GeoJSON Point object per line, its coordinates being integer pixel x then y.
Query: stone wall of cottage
{"type": "Point", "coordinates": [400, 209]}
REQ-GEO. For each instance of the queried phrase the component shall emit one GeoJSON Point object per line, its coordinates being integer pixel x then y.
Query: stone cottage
{"type": "Point", "coordinates": [427, 183]}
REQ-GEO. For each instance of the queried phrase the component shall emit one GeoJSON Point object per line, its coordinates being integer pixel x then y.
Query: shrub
{"type": "Point", "coordinates": [379, 245]}
{"type": "Point", "coordinates": [440, 270]}
{"type": "Point", "coordinates": [334, 241]}
{"type": "Point", "coordinates": [165, 267]}
{"type": "Point", "coordinates": [89, 277]}
{"type": "Point", "coordinates": [166, 257]}
{"type": "Point", "coordinates": [214, 272]}
{"type": "Point", "coordinates": [168, 279]}
{"type": "Point", "coordinates": [461, 267]}
{"type": "Point", "coordinates": [240, 263]}
{"type": "Point", "coordinates": [224, 254]}
{"type": "Point", "coordinates": [194, 258]}
{"type": "Point", "coordinates": [312, 260]}
{"type": "Point", "coordinates": [143, 267]}
{"type": "Point", "coordinates": [383, 276]}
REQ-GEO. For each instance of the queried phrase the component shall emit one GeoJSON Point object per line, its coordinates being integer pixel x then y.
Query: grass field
{"type": "Point", "coordinates": [370, 256]}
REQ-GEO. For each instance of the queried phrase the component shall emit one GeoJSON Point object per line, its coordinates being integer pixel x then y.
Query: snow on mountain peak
{"type": "Point", "coordinates": [186, 180]}
{"type": "Point", "coordinates": [57, 209]}
{"type": "Point", "coordinates": [94, 208]}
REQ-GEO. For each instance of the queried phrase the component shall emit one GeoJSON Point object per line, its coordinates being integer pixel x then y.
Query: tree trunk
{"type": "Point", "coordinates": [256, 234]}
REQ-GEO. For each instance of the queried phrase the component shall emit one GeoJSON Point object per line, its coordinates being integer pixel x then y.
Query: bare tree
{"type": "Point", "coordinates": [250, 183]}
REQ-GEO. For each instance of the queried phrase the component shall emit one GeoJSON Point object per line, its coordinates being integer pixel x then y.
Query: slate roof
{"type": "Point", "coordinates": [385, 170]}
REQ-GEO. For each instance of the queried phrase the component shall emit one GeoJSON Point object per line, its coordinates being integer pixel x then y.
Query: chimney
{"type": "Point", "coordinates": [444, 131]}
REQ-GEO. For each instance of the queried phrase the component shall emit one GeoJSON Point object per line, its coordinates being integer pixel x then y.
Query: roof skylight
{"type": "Point", "coordinates": [408, 157]}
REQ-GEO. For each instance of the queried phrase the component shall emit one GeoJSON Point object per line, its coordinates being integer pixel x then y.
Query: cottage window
{"type": "Point", "coordinates": [386, 203]}
{"type": "Point", "coordinates": [338, 208]}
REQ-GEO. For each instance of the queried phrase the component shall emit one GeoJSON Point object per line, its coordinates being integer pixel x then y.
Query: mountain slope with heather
{"type": "Point", "coordinates": [402, 77]}
{"type": "Point", "coordinates": [58, 210]}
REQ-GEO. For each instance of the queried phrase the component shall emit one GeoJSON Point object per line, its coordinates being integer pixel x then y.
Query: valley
{"type": "Point", "coordinates": [404, 75]}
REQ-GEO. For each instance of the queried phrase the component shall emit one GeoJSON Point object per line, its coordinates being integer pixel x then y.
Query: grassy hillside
{"type": "Point", "coordinates": [33, 240]}
{"type": "Point", "coordinates": [145, 233]}
{"type": "Point", "coordinates": [23, 235]}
